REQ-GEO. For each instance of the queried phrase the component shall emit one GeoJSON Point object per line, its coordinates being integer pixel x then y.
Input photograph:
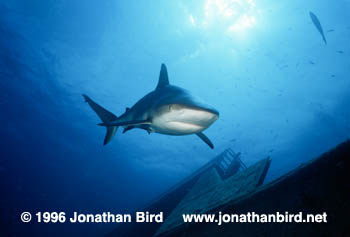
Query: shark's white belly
{"type": "Point", "coordinates": [179, 120]}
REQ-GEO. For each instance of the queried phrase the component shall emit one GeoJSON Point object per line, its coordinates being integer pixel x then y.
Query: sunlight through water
{"type": "Point", "coordinates": [231, 16]}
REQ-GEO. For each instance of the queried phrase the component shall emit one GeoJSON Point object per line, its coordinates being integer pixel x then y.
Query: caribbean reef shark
{"type": "Point", "coordinates": [318, 26]}
{"type": "Point", "coordinates": [168, 110]}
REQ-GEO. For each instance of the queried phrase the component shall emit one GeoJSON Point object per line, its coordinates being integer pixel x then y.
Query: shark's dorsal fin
{"type": "Point", "coordinates": [163, 77]}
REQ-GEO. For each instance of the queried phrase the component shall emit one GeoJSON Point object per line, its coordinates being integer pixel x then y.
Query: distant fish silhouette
{"type": "Point", "coordinates": [318, 25]}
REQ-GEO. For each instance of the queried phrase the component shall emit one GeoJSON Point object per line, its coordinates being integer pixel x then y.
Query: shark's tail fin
{"type": "Point", "coordinates": [105, 116]}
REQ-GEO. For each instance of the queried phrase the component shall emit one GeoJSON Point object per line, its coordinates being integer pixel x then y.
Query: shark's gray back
{"type": "Point", "coordinates": [167, 95]}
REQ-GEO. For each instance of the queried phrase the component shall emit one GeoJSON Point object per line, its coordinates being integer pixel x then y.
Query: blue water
{"type": "Point", "coordinates": [280, 90]}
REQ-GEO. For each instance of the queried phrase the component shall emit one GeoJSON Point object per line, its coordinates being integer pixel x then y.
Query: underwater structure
{"type": "Point", "coordinates": [222, 179]}
{"type": "Point", "coordinates": [318, 186]}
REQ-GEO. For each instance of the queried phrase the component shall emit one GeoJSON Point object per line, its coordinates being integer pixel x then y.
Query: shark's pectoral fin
{"type": "Point", "coordinates": [128, 128]}
{"type": "Point", "coordinates": [126, 123]}
{"type": "Point", "coordinates": [142, 126]}
{"type": "Point", "coordinates": [205, 139]}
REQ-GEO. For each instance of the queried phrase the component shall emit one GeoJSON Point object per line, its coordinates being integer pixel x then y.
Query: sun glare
{"type": "Point", "coordinates": [232, 15]}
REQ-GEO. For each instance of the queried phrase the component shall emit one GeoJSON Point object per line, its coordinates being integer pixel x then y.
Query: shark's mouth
{"type": "Point", "coordinates": [184, 126]}
{"type": "Point", "coordinates": [193, 109]}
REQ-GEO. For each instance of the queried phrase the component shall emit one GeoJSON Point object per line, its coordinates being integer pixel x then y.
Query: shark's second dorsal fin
{"type": "Point", "coordinates": [163, 77]}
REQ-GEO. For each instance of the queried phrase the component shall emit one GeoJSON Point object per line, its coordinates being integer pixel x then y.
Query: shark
{"type": "Point", "coordinates": [318, 26]}
{"type": "Point", "coordinates": [168, 109]}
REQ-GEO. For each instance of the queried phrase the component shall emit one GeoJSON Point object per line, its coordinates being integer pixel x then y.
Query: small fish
{"type": "Point", "coordinates": [339, 51]}
{"type": "Point", "coordinates": [331, 30]}
{"type": "Point", "coordinates": [318, 26]}
{"type": "Point", "coordinates": [311, 62]}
